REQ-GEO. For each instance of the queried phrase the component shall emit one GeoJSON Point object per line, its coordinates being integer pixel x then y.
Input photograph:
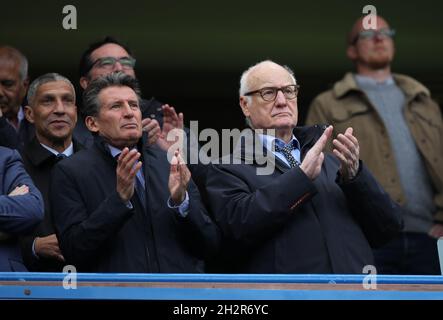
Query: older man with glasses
{"type": "Point", "coordinates": [400, 130]}
{"type": "Point", "coordinates": [314, 213]}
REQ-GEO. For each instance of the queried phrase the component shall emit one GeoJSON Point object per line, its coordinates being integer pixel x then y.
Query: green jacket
{"type": "Point", "coordinates": [346, 105]}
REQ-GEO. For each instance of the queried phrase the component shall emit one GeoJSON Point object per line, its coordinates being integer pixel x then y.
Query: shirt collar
{"type": "Point", "coordinates": [115, 151]}
{"type": "Point", "coordinates": [364, 80]}
{"type": "Point", "coordinates": [20, 114]}
{"type": "Point", "coordinates": [268, 140]}
{"type": "Point", "coordinates": [67, 152]}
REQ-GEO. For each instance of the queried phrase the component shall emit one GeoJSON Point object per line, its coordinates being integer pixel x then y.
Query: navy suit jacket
{"type": "Point", "coordinates": [98, 232]}
{"type": "Point", "coordinates": [18, 214]}
{"type": "Point", "coordinates": [285, 223]}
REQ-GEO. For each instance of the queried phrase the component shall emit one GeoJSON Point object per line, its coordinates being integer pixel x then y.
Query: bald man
{"type": "Point", "coordinates": [14, 83]}
{"type": "Point", "coordinates": [315, 212]}
{"type": "Point", "coordinates": [400, 131]}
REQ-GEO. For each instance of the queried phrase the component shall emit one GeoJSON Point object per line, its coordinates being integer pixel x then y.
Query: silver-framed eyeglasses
{"type": "Point", "coordinates": [270, 93]}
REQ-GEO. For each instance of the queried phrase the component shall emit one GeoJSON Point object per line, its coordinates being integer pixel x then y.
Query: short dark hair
{"type": "Point", "coordinates": [91, 104]}
{"type": "Point", "coordinates": [85, 60]}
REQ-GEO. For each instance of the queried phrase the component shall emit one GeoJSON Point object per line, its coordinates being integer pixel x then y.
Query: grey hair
{"type": "Point", "coordinates": [47, 77]}
{"type": "Point", "coordinates": [12, 53]}
{"type": "Point", "coordinates": [244, 82]}
{"type": "Point", "coordinates": [244, 79]}
{"type": "Point", "coordinates": [91, 103]}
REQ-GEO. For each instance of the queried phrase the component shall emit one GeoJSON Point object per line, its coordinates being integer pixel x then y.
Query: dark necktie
{"type": "Point", "coordinates": [286, 151]}
{"type": "Point", "coordinates": [61, 156]}
{"type": "Point", "coordinates": [140, 189]}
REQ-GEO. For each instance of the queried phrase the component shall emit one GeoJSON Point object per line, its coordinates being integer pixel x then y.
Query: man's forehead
{"type": "Point", "coordinates": [55, 87]}
{"type": "Point", "coordinates": [9, 67]}
{"type": "Point", "coordinates": [381, 24]}
{"type": "Point", "coordinates": [109, 50]}
{"type": "Point", "coordinates": [117, 93]}
{"type": "Point", "coordinates": [270, 75]}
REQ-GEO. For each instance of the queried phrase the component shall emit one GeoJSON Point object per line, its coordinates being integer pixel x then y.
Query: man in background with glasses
{"type": "Point", "coordinates": [108, 56]}
{"type": "Point", "coordinates": [400, 131]}
{"type": "Point", "coordinates": [314, 213]}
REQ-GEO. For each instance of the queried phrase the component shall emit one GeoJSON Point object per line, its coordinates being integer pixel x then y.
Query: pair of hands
{"type": "Point", "coordinates": [128, 166]}
{"type": "Point", "coordinates": [346, 149]}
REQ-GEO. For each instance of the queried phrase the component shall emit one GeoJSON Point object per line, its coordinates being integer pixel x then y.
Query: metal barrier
{"type": "Point", "coordinates": [217, 286]}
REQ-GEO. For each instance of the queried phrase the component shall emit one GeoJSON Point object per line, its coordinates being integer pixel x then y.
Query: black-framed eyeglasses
{"type": "Point", "coordinates": [371, 33]}
{"type": "Point", "coordinates": [109, 62]}
{"type": "Point", "coordinates": [270, 93]}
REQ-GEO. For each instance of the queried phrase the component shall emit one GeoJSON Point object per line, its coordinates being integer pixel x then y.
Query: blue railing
{"type": "Point", "coordinates": [217, 286]}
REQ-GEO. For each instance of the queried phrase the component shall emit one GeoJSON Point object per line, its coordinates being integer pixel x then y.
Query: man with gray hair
{"type": "Point", "coordinates": [52, 109]}
{"type": "Point", "coordinates": [14, 129]}
{"type": "Point", "coordinates": [120, 206]}
{"type": "Point", "coordinates": [315, 213]}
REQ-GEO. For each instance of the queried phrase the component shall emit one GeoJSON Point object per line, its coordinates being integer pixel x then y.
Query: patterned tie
{"type": "Point", "coordinates": [286, 151]}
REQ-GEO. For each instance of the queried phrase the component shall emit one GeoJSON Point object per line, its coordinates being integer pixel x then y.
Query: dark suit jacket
{"type": "Point", "coordinates": [99, 233]}
{"type": "Point", "coordinates": [10, 138]}
{"type": "Point", "coordinates": [286, 223]}
{"type": "Point", "coordinates": [18, 214]}
{"type": "Point", "coordinates": [39, 162]}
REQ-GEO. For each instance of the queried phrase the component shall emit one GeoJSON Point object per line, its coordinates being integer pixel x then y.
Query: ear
{"type": "Point", "coordinates": [92, 124]}
{"type": "Point", "coordinates": [29, 114]}
{"type": "Point", "coordinates": [84, 82]}
{"type": "Point", "coordinates": [244, 104]}
{"type": "Point", "coordinates": [351, 52]}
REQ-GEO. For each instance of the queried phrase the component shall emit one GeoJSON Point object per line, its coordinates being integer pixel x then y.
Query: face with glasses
{"type": "Point", "coordinates": [107, 59]}
{"type": "Point", "coordinates": [271, 102]}
{"type": "Point", "coordinates": [371, 49]}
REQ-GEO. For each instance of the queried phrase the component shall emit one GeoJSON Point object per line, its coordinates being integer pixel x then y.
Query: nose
{"type": "Point", "coordinates": [128, 112]}
{"type": "Point", "coordinates": [59, 107]}
{"type": "Point", "coordinates": [379, 37]}
{"type": "Point", "coordinates": [280, 99]}
{"type": "Point", "coordinates": [118, 66]}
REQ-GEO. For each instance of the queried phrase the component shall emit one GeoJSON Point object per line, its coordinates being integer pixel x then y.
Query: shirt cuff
{"type": "Point", "coordinates": [183, 208]}
{"type": "Point", "coordinates": [33, 249]}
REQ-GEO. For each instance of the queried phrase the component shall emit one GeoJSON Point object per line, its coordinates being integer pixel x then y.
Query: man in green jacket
{"type": "Point", "coordinates": [400, 131]}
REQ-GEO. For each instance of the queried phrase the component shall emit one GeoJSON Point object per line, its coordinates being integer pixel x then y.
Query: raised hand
{"type": "Point", "coordinates": [152, 127]}
{"type": "Point", "coordinates": [347, 151]}
{"type": "Point", "coordinates": [313, 160]}
{"type": "Point", "coordinates": [127, 167]}
{"type": "Point", "coordinates": [179, 177]}
{"type": "Point", "coordinates": [172, 125]}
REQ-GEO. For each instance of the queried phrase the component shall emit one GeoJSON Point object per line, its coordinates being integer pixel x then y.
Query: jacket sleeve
{"type": "Point", "coordinates": [377, 214]}
{"type": "Point", "coordinates": [246, 215]}
{"type": "Point", "coordinates": [8, 136]}
{"type": "Point", "coordinates": [18, 214]}
{"type": "Point", "coordinates": [83, 234]}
